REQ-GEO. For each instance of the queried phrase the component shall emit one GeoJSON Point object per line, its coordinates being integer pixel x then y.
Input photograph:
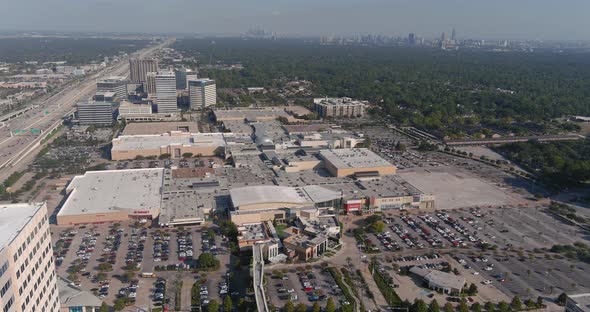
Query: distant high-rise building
{"type": "Point", "coordinates": [202, 93]}
{"type": "Point", "coordinates": [411, 40]}
{"type": "Point", "coordinates": [444, 37]}
{"type": "Point", "coordinates": [454, 35]}
{"type": "Point", "coordinates": [138, 69]}
{"type": "Point", "coordinates": [96, 113]}
{"type": "Point", "coordinates": [166, 92]}
{"type": "Point", "coordinates": [181, 76]}
{"type": "Point", "coordinates": [150, 84]}
{"type": "Point", "coordinates": [27, 270]}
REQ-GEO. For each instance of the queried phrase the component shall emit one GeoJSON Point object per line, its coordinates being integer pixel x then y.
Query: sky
{"type": "Point", "coordinates": [485, 19]}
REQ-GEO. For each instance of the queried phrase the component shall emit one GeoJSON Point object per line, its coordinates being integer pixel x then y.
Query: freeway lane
{"type": "Point", "coordinates": [44, 115]}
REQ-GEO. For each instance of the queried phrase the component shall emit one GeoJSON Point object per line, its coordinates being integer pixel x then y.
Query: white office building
{"type": "Point", "coordinates": [202, 93]}
{"type": "Point", "coordinates": [166, 92]}
{"type": "Point", "coordinates": [27, 272]}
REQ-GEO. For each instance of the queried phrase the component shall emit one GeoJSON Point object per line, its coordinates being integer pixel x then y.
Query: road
{"type": "Point", "coordinates": [48, 113]}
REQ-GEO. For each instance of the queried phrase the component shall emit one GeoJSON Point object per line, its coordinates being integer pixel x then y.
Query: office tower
{"type": "Point", "coordinates": [453, 34]}
{"type": "Point", "coordinates": [115, 84]}
{"type": "Point", "coordinates": [96, 113]}
{"type": "Point", "coordinates": [166, 92]}
{"type": "Point", "coordinates": [138, 69]}
{"type": "Point", "coordinates": [443, 37]}
{"type": "Point", "coordinates": [150, 84]}
{"type": "Point", "coordinates": [411, 40]}
{"type": "Point", "coordinates": [202, 93]}
{"type": "Point", "coordinates": [181, 76]}
{"type": "Point", "coordinates": [27, 273]}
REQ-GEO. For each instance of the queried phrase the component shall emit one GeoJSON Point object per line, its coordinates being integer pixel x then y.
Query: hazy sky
{"type": "Point", "coordinates": [523, 19]}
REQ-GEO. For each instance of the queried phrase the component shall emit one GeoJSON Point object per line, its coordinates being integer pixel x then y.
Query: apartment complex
{"type": "Point", "coordinates": [96, 113]}
{"type": "Point", "coordinates": [166, 92]}
{"type": "Point", "coordinates": [202, 93]}
{"type": "Point", "coordinates": [27, 276]}
{"type": "Point", "coordinates": [339, 107]}
{"type": "Point", "coordinates": [138, 69]}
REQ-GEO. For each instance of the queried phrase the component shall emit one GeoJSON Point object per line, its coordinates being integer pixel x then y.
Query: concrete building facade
{"type": "Point", "coordinates": [150, 84]}
{"type": "Point", "coordinates": [138, 69]}
{"type": "Point", "coordinates": [27, 272]}
{"type": "Point", "coordinates": [96, 113]}
{"type": "Point", "coordinates": [338, 107]}
{"type": "Point", "coordinates": [202, 93]}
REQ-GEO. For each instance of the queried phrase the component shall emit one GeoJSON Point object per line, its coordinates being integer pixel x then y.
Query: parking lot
{"type": "Point", "coordinates": [127, 259]}
{"type": "Point", "coordinates": [514, 261]}
{"type": "Point", "coordinates": [302, 286]}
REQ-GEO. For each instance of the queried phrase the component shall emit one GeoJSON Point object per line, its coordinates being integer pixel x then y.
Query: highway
{"type": "Point", "coordinates": [16, 139]}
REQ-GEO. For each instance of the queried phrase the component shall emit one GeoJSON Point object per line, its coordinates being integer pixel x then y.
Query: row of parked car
{"type": "Point", "coordinates": [161, 247]}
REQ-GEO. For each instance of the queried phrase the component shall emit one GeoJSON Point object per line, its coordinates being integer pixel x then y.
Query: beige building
{"type": "Point", "coordinates": [138, 69]}
{"type": "Point", "coordinates": [27, 273]}
{"type": "Point", "coordinates": [351, 161]}
{"type": "Point", "coordinates": [112, 195]}
{"type": "Point", "coordinates": [252, 204]}
{"type": "Point", "coordinates": [304, 246]}
{"type": "Point", "coordinates": [174, 143]}
{"type": "Point", "coordinates": [339, 107]}
{"type": "Point", "coordinates": [74, 299]}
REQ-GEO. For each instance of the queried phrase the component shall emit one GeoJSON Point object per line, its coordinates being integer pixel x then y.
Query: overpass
{"type": "Point", "coordinates": [258, 278]}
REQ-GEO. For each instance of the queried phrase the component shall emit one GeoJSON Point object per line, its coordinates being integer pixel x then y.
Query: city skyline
{"type": "Point", "coordinates": [534, 20]}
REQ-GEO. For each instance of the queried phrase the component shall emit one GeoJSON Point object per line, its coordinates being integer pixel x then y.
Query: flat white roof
{"type": "Point", "coordinates": [345, 158]}
{"type": "Point", "coordinates": [13, 218]}
{"type": "Point", "coordinates": [261, 194]}
{"type": "Point", "coordinates": [114, 190]}
{"type": "Point", "coordinates": [140, 142]}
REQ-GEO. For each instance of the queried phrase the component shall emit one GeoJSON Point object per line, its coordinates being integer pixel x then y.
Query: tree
{"type": "Point", "coordinates": [449, 307]}
{"type": "Point", "coordinates": [529, 303]}
{"type": "Point", "coordinates": [301, 308]}
{"type": "Point", "coordinates": [207, 261]}
{"type": "Point", "coordinates": [105, 267]}
{"type": "Point", "coordinates": [227, 304]}
{"type": "Point", "coordinates": [316, 307]}
{"type": "Point", "coordinates": [289, 307]}
{"type": "Point", "coordinates": [561, 299]}
{"type": "Point", "coordinates": [187, 155]}
{"type": "Point", "coordinates": [489, 307]}
{"type": "Point", "coordinates": [472, 291]}
{"type": "Point", "coordinates": [503, 306]}
{"type": "Point", "coordinates": [433, 306]}
{"type": "Point", "coordinates": [476, 307]}
{"type": "Point", "coordinates": [330, 306]}
{"type": "Point", "coordinates": [419, 306]}
{"type": "Point", "coordinates": [104, 307]}
{"type": "Point", "coordinates": [120, 304]}
{"type": "Point", "coordinates": [164, 156]}
{"type": "Point", "coordinates": [463, 306]}
{"type": "Point", "coordinates": [378, 226]}
{"type": "Point", "coordinates": [516, 303]}
{"type": "Point", "coordinates": [213, 306]}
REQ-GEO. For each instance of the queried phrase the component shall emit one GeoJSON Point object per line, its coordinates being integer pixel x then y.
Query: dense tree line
{"type": "Point", "coordinates": [73, 50]}
{"type": "Point", "coordinates": [562, 163]}
{"type": "Point", "coordinates": [430, 88]}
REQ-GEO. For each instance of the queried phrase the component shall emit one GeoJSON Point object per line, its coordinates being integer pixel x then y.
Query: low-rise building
{"type": "Point", "coordinates": [347, 162]}
{"type": "Point", "coordinates": [305, 247]}
{"type": "Point", "coordinates": [112, 195]}
{"type": "Point", "coordinates": [74, 299]}
{"type": "Point", "coordinates": [447, 283]}
{"type": "Point", "coordinates": [261, 203]}
{"type": "Point", "coordinates": [174, 144]}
